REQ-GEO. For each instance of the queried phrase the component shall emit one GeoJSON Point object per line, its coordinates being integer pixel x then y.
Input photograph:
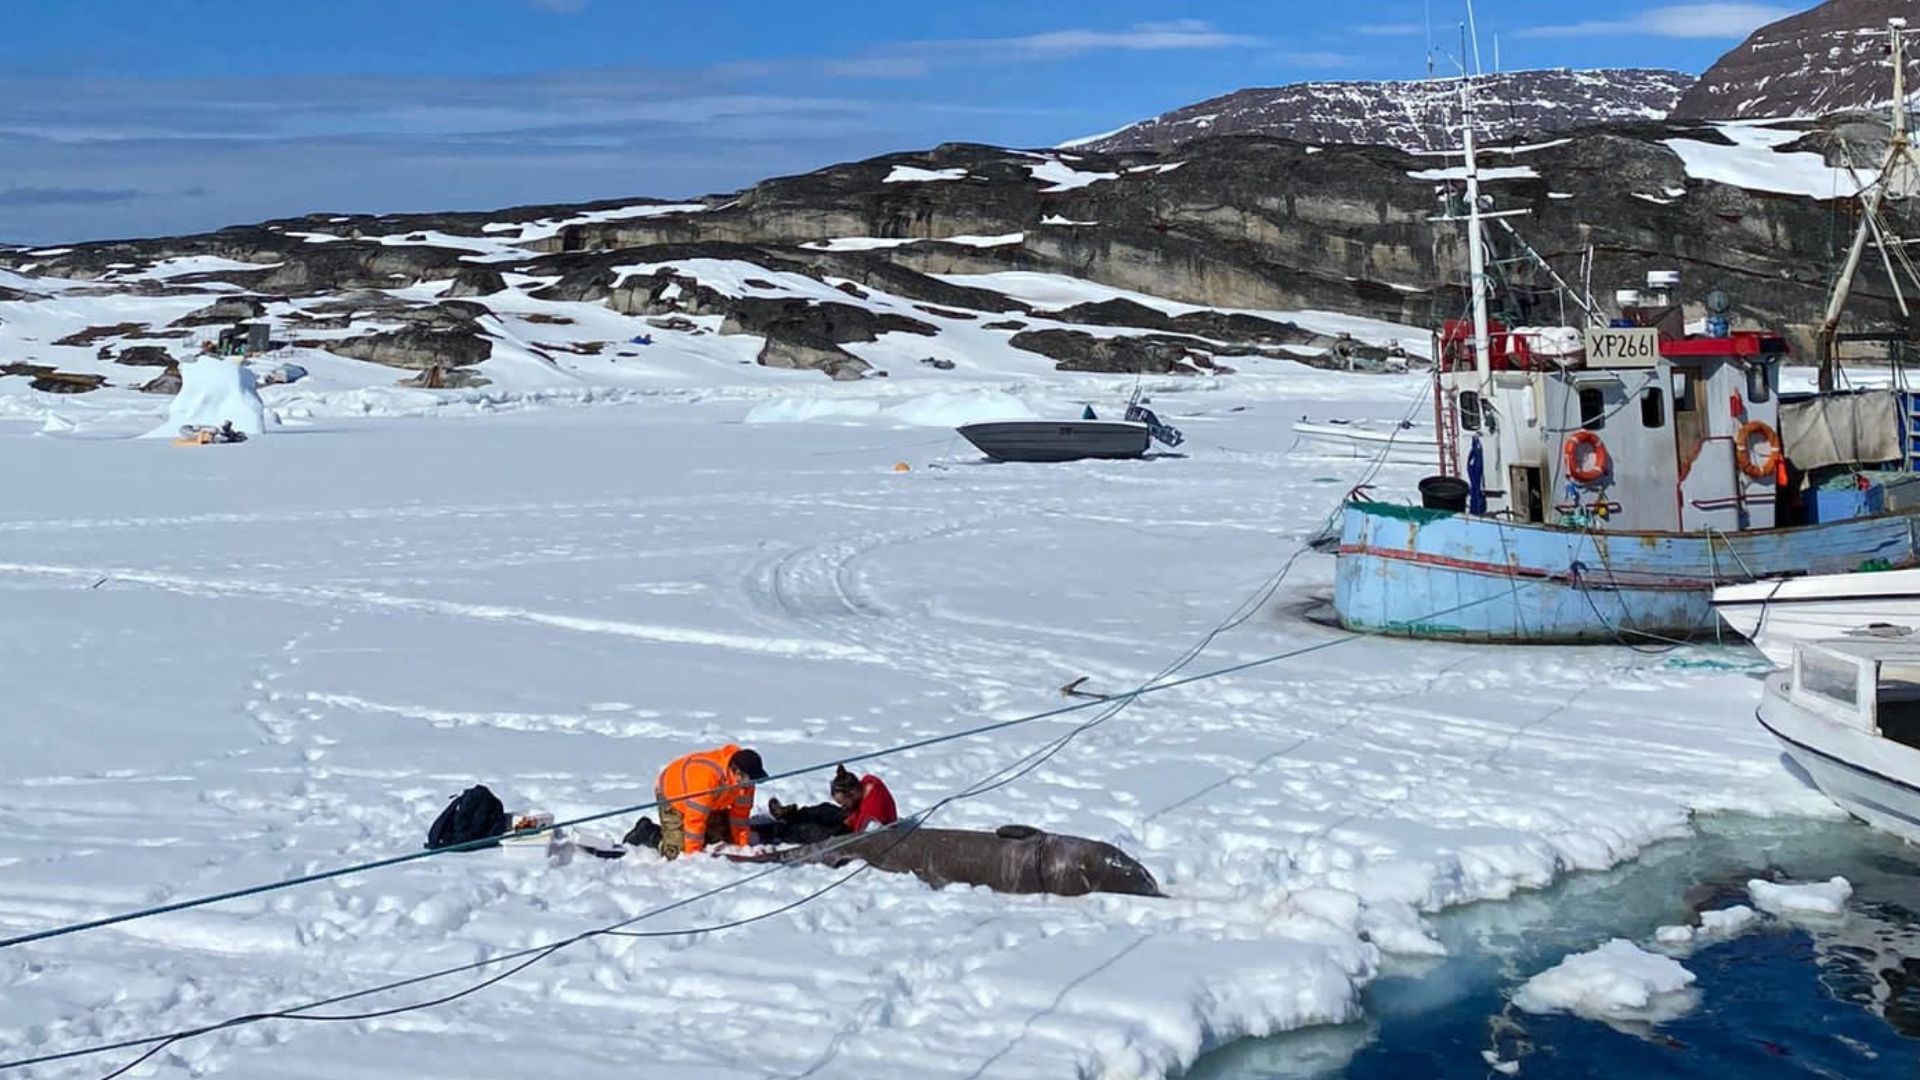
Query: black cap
{"type": "Point", "coordinates": [748, 761]}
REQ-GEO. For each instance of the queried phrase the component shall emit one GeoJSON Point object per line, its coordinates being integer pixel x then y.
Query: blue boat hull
{"type": "Point", "coordinates": [1411, 572]}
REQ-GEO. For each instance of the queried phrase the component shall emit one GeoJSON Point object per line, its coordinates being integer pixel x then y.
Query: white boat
{"type": "Point", "coordinates": [1848, 712]}
{"type": "Point", "coordinates": [1776, 615]}
{"type": "Point", "coordinates": [1402, 444]}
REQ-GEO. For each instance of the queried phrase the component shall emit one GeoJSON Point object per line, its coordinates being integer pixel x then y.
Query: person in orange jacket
{"type": "Point", "coordinates": [706, 798]}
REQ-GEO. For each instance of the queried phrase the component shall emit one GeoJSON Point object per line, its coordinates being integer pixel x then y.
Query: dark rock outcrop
{"type": "Point", "coordinates": [167, 382]}
{"type": "Point", "coordinates": [476, 281]}
{"type": "Point", "coordinates": [1825, 60]}
{"type": "Point", "coordinates": [144, 356]}
{"type": "Point", "coordinates": [227, 309]}
{"type": "Point", "coordinates": [53, 381]}
{"type": "Point", "coordinates": [417, 347]}
{"type": "Point", "coordinates": [1518, 106]}
{"type": "Point", "coordinates": [1150, 354]}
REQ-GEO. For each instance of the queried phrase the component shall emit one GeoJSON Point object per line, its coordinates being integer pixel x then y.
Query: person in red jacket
{"type": "Point", "coordinates": [868, 803]}
{"type": "Point", "coordinates": [859, 802]}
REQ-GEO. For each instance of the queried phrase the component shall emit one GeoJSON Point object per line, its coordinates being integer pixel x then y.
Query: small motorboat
{"type": "Point", "coordinates": [1073, 440]}
{"type": "Point", "coordinates": [1777, 614]}
{"type": "Point", "coordinates": [1058, 440]}
{"type": "Point", "coordinates": [1848, 712]}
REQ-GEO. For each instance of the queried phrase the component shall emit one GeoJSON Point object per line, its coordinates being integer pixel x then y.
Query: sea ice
{"type": "Point", "coordinates": [1814, 898]}
{"type": "Point", "coordinates": [1617, 981]}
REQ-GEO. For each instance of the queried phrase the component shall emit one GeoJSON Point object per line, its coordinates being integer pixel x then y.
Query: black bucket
{"type": "Point", "coordinates": [1444, 493]}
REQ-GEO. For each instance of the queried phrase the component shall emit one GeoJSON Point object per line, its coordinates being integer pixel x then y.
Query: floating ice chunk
{"type": "Point", "coordinates": [1724, 923]}
{"type": "Point", "coordinates": [1673, 935]}
{"type": "Point", "coordinates": [1816, 898]}
{"type": "Point", "coordinates": [1617, 981]}
{"type": "Point", "coordinates": [1727, 921]}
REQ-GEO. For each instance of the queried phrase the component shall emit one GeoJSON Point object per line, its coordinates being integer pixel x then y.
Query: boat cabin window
{"type": "Point", "coordinates": [1653, 409]}
{"type": "Point", "coordinates": [1689, 425]}
{"type": "Point", "coordinates": [1897, 704]}
{"type": "Point", "coordinates": [1593, 408]}
{"type": "Point", "coordinates": [1830, 678]}
{"type": "Point", "coordinates": [1682, 391]}
{"type": "Point", "coordinates": [1470, 410]}
{"type": "Point", "coordinates": [1759, 389]}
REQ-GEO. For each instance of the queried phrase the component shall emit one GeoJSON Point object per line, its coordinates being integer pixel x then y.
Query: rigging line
{"type": "Point", "coordinates": [1019, 768]}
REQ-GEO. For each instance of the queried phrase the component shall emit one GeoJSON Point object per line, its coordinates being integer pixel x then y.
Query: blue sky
{"type": "Point", "coordinates": [144, 117]}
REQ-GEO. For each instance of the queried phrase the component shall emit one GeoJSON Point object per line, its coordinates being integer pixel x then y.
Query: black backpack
{"type": "Point", "coordinates": [474, 814]}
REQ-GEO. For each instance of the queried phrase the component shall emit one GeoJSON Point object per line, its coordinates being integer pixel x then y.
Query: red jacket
{"type": "Point", "coordinates": [875, 807]}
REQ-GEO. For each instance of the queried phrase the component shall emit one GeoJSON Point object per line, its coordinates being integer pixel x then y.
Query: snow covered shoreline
{"type": "Point", "coordinates": [303, 645]}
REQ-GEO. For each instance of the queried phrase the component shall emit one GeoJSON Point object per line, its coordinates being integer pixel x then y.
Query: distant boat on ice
{"type": "Point", "coordinates": [1058, 440]}
{"type": "Point", "coordinates": [1405, 443]}
{"type": "Point", "coordinates": [1073, 440]}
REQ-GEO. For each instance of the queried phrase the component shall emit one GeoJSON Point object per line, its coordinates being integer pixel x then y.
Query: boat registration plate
{"type": "Point", "coordinates": [1637, 346]}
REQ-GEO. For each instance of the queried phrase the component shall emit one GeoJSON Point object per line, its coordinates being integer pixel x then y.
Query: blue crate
{"type": "Point", "coordinates": [1846, 504]}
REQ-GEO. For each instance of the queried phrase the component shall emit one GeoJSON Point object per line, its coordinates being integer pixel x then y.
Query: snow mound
{"type": "Point", "coordinates": [1617, 981]}
{"type": "Point", "coordinates": [1813, 898]}
{"type": "Point", "coordinates": [214, 391]}
{"type": "Point", "coordinates": [954, 408]}
{"type": "Point", "coordinates": [812, 410]}
{"type": "Point", "coordinates": [944, 409]}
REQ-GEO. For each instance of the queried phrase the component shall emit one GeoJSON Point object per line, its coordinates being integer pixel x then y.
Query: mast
{"type": "Point", "coordinates": [1899, 151]}
{"type": "Point", "coordinates": [1476, 247]}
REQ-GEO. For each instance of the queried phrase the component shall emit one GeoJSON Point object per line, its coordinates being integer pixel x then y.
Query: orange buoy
{"type": "Point", "coordinates": [1598, 461]}
{"type": "Point", "coordinates": [1774, 463]}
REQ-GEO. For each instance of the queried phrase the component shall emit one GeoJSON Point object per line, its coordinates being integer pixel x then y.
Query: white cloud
{"type": "Point", "coordinates": [1140, 37]}
{"type": "Point", "coordinates": [1728, 21]}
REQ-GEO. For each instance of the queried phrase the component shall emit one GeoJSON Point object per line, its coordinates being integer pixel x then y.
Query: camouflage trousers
{"type": "Point", "coordinates": [673, 829]}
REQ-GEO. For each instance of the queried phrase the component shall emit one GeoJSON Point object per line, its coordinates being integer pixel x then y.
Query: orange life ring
{"type": "Point", "coordinates": [1597, 463]}
{"type": "Point", "coordinates": [1743, 451]}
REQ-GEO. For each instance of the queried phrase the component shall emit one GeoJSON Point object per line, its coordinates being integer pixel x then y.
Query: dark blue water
{"type": "Point", "coordinates": [1836, 997]}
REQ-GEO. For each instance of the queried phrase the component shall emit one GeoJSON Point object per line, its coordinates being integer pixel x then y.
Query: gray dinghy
{"type": "Point", "coordinates": [1058, 440]}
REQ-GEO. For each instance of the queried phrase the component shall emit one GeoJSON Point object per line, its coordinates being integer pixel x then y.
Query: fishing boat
{"type": "Point", "coordinates": [1598, 482]}
{"type": "Point", "coordinates": [1848, 713]}
{"type": "Point", "coordinates": [1777, 615]}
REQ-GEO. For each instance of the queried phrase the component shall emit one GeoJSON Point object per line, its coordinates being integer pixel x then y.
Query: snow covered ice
{"type": "Point", "coordinates": [1617, 981]}
{"type": "Point", "coordinates": [231, 667]}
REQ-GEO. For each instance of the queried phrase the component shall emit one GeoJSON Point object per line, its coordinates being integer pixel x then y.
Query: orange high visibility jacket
{"type": "Point", "coordinates": [689, 786]}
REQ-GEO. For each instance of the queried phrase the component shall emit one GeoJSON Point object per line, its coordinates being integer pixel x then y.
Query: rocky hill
{"type": "Point", "coordinates": [1229, 252]}
{"type": "Point", "coordinates": [1826, 60]}
{"type": "Point", "coordinates": [1515, 107]}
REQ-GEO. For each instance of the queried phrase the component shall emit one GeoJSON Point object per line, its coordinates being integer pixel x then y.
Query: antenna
{"type": "Point", "coordinates": [1473, 28]}
{"type": "Point", "coordinates": [1496, 54]}
{"type": "Point", "coordinates": [1429, 39]}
